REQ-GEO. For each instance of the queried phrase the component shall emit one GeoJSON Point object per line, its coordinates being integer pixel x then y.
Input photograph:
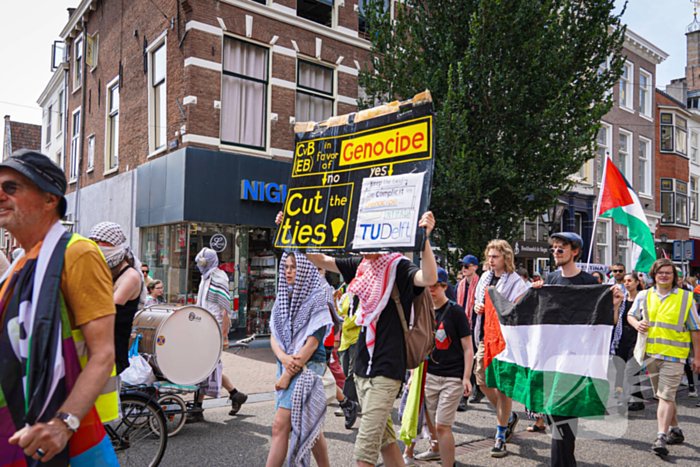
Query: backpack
{"type": "Point", "coordinates": [420, 338]}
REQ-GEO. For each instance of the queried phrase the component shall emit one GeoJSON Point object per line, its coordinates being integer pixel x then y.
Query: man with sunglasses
{"type": "Point", "coordinates": [618, 275]}
{"type": "Point", "coordinates": [466, 290]}
{"type": "Point", "coordinates": [567, 248]}
{"type": "Point", "coordinates": [145, 270]}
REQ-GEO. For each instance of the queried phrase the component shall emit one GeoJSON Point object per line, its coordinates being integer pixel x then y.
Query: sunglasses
{"type": "Point", "coordinates": [9, 187]}
{"type": "Point", "coordinates": [618, 270]}
{"type": "Point", "coordinates": [557, 250]}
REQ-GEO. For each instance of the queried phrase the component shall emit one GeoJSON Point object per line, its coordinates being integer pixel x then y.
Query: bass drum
{"type": "Point", "coordinates": [184, 342]}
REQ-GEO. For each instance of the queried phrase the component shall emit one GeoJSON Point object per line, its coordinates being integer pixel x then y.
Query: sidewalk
{"type": "Point", "coordinates": [252, 371]}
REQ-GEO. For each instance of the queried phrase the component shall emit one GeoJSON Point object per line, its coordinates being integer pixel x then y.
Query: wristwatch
{"type": "Point", "coordinates": [71, 421]}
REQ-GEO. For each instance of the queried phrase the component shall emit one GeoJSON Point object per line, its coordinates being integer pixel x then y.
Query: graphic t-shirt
{"type": "Point", "coordinates": [451, 326]}
{"type": "Point", "coordinates": [390, 348]}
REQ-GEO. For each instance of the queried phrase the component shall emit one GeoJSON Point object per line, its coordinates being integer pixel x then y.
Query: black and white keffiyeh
{"type": "Point", "coordinates": [510, 285]}
{"type": "Point", "coordinates": [308, 414]}
{"type": "Point", "coordinates": [617, 333]}
{"type": "Point", "coordinates": [298, 315]}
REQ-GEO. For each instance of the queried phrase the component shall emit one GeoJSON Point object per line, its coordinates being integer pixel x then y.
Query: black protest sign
{"type": "Point", "coordinates": [361, 182]}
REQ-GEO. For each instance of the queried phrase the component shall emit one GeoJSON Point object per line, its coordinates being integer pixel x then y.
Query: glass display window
{"type": "Point", "coordinates": [164, 250]}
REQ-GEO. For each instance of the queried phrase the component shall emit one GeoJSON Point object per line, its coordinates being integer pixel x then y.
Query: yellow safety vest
{"type": "Point", "coordinates": [668, 335]}
{"type": "Point", "coordinates": [107, 403]}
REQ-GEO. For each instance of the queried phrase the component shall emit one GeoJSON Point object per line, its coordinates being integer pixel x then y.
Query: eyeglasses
{"type": "Point", "coordinates": [9, 187]}
{"type": "Point", "coordinates": [664, 273]}
{"type": "Point", "coordinates": [557, 250]}
{"type": "Point", "coordinates": [616, 271]}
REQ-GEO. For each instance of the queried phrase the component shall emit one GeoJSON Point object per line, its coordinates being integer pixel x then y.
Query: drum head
{"type": "Point", "coordinates": [188, 345]}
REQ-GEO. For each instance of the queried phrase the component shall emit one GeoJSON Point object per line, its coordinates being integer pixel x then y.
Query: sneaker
{"type": "Point", "coordinates": [462, 407]}
{"type": "Point", "coordinates": [237, 400]}
{"type": "Point", "coordinates": [693, 393]}
{"type": "Point", "coordinates": [350, 413]}
{"type": "Point", "coordinates": [195, 417]}
{"type": "Point", "coordinates": [339, 412]}
{"type": "Point", "coordinates": [659, 447]}
{"type": "Point", "coordinates": [477, 396]}
{"type": "Point", "coordinates": [408, 460]}
{"type": "Point", "coordinates": [636, 406]}
{"type": "Point", "coordinates": [510, 431]}
{"type": "Point", "coordinates": [697, 405]}
{"type": "Point", "coordinates": [428, 455]}
{"type": "Point", "coordinates": [675, 436]}
{"type": "Point", "coordinates": [499, 449]}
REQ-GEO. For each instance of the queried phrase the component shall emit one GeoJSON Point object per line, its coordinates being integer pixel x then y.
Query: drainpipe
{"type": "Point", "coordinates": [82, 126]}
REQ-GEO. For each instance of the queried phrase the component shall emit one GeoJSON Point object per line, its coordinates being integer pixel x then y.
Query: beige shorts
{"type": "Point", "coordinates": [442, 396]}
{"type": "Point", "coordinates": [665, 377]}
{"type": "Point", "coordinates": [480, 369]}
{"type": "Point", "coordinates": [377, 396]}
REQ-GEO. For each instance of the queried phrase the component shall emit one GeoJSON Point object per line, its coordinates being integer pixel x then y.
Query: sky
{"type": "Point", "coordinates": [28, 29]}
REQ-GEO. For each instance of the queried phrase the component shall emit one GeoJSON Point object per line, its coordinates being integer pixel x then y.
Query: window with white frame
{"type": "Point", "coordinates": [74, 144]}
{"type": "Point", "coordinates": [644, 166]}
{"type": "Point", "coordinates": [626, 81]}
{"type": "Point", "coordinates": [48, 125]}
{"type": "Point", "coordinates": [645, 93]}
{"type": "Point", "coordinates": [60, 160]}
{"type": "Point", "coordinates": [112, 133]}
{"type": "Point", "coordinates": [693, 147]}
{"type": "Point", "coordinates": [602, 240]}
{"type": "Point", "coordinates": [78, 63]}
{"type": "Point", "coordinates": [694, 199]}
{"type": "Point", "coordinates": [158, 107]}
{"type": "Point", "coordinates": [674, 201]}
{"type": "Point", "coordinates": [603, 143]}
{"type": "Point", "coordinates": [622, 246]}
{"type": "Point", "coordinates": [91, 153]}
{"type": "Point", "coordinates": [59, 119]}
{"type": "Point", "coordinates": [674, 133]}
{"type": "Point", "coordinates": [624, 150]}
{"type": "Point", "coordinates": [244, 94]}
{"type": "Point", "coordinates": [318, 11]}
{"type": "Point", "coordinates": [314, 98]}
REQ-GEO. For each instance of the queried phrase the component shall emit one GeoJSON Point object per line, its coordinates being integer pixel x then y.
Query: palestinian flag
{"type": "Point", "coordinates": [553, 357]}
{"type": "Point", "coordinates": [619, 201]}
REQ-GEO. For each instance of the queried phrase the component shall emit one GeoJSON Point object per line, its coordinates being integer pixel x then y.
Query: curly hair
{"type": "Point", "coordinates": [505, 249]}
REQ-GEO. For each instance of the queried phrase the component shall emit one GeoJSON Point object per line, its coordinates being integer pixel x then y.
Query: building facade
{"type": "Point", "coordinates": [53, 102]}
{"type": "Point", "coordinates": [179, 126]}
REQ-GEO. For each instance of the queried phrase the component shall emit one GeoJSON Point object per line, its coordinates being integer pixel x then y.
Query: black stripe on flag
{"type": "Point", "coordinates": [557, 304]}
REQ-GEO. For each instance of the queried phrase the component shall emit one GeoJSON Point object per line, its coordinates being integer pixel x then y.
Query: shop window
{"type": "Point", "coordinates": [314, 97]}
{"type": "Point", "coordinates": [157, 98]}
{"type": "Point", "coordinates": [644, 166]}
{"type": "Point", "coordinates": [112, 133]}
{"type": "Point", "coordinates": [645, 93]}
{"type": "Point", "coordinates": [164, 250]}
{"type": "Point", "coordinates": [694, 199]}
{"type": "Point", "coordinates": [318, 11]}
{"type": "Point", "coordinates": [244, 94]}
{"type": "Point", "coordinates": [626, 82]}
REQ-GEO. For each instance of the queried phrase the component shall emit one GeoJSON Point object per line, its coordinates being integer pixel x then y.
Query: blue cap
{"type": "Point", "coordinates": [469, 259]}
{"type": "Point", "coordinates": [575, 239]}
{"type": "Point", "coordinates": [442, 275]}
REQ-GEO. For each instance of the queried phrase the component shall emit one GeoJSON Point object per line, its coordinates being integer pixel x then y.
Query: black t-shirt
{"type": "Point", "coordinates": [629, 334]}
{"type": "Point", "coordinates": [451, 293]}
{"type": "Point", "coordinates": [582, 278]}
{"type": "Point", "coordinates": [389, 358]}
{"type": "Point", "coordinates": [451, 326]}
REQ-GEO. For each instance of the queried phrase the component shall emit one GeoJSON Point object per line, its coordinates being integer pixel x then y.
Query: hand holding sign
{"type": "Point", "coordinates": [427, 221]}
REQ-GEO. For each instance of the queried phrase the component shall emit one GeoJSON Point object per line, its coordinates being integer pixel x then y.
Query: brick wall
{"type": "Point", "coordinates": [25, 135]}
{"type": "Point", "coordinates": [122, 29]}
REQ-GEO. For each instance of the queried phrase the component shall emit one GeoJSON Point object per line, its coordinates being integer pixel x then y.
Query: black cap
{"type": "Point", "coordinates": [39, 169]}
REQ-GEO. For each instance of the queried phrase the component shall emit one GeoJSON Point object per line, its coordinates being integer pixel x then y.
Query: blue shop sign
{"type": "Point", "coordinates": [261, 191]}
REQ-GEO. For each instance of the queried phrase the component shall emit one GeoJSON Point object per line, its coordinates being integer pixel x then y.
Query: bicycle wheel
{"type": "Point", "coordinates": [140, 437]}
{"type": "Point", "coordinates": [175, 412]}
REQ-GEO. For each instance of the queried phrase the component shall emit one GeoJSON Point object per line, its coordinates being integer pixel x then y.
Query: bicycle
{"type": "Point", "coordinates": [140, 436]}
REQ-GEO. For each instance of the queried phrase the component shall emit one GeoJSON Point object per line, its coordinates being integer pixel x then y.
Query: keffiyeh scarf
{"type": "Point", "coordinates": [298, 315]}
{"type": "Point", "coordinates": [214, 281]}
{"type": "Point", "coordinates": [470, 291]}
{"type": "Point", "coordinates": [372, 284]}
{"type": "Point", "coordinates": [39, 362]}
{"type": "Point", "coordinates": [308, 414]}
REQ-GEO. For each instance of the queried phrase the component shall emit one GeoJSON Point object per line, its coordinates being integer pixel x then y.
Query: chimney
{"type": "Point", "coordinates": [70, 12]}
{"type": "Point", "coordinates": [692, 68]}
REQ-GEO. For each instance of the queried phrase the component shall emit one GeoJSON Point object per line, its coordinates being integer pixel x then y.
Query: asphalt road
{"type": "Point", "coordinates": [244, 440]}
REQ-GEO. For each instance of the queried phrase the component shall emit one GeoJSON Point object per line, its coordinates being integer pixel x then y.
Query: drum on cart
{"type": "Point", "coordinates": [184, 342]}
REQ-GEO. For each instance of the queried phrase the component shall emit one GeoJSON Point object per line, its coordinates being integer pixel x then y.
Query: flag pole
{"type": "Point", "coordinates": [595, 217]}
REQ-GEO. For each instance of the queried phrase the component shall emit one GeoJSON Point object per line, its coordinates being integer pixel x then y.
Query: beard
{"type": "Point", "coordinates": [563, 261]}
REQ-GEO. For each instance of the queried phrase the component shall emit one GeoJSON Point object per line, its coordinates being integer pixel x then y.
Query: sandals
{"type": "Point", "coordinates": [535, 428]}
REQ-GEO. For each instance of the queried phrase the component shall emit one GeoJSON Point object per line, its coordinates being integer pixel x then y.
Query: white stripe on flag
{"type": "Point", "coordinates": [559, 348]}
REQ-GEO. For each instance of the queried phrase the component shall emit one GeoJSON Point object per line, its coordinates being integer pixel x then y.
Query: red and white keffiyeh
{"type": "Point", "coordinates": [372, 284]}
{"type": "Point", "coordinates": [470, 291]}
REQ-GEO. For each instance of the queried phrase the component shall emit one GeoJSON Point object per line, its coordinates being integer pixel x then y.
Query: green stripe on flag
{"type": "Point", "coordinates": [549, 392]}
{"type": "Point", "coordinates": [639, 232]}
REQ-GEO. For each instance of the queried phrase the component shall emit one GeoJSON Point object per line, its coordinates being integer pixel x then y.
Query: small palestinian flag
{"type": "Point", "coordinates": [553, 355]}
{"type": "Point", "coordinates": [620, 202]}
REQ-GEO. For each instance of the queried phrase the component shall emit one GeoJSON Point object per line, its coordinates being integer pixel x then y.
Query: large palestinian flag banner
{"type": "Point", "coordinates": [620, 202]}
{"type": "Point", "coordinates": [553, 349]}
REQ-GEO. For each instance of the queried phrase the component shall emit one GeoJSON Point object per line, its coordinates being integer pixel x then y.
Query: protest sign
{"type": "Point", "coordinates": [361, 182]}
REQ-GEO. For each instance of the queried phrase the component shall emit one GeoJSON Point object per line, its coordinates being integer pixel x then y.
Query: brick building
{"type": "Point", "coordinates": [19, 135]}
{"type": "Point", "coordinates": [179, 122]}
{"type": "Point", "coordinates": [626, 136]}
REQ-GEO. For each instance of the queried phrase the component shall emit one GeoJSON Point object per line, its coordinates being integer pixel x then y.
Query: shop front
{"type": "Point", "coordinates": [533, 256]}
{"type": "Point", "coordinates": [195, 198]}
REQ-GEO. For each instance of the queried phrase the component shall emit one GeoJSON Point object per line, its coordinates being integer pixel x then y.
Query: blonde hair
{"type": "Point", "coordinates": [505, 249]}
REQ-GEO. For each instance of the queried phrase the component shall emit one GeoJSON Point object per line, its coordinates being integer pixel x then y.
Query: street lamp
{"type": "Point", "coordinates": [664, 238]}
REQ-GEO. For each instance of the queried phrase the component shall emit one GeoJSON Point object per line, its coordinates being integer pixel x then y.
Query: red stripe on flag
{"type": "Point", "coordinates": [664, 252]}
{"type": "Point", "coordinates": [615, 191]}
{"type": "Point", "coordinates": [493, 339]}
